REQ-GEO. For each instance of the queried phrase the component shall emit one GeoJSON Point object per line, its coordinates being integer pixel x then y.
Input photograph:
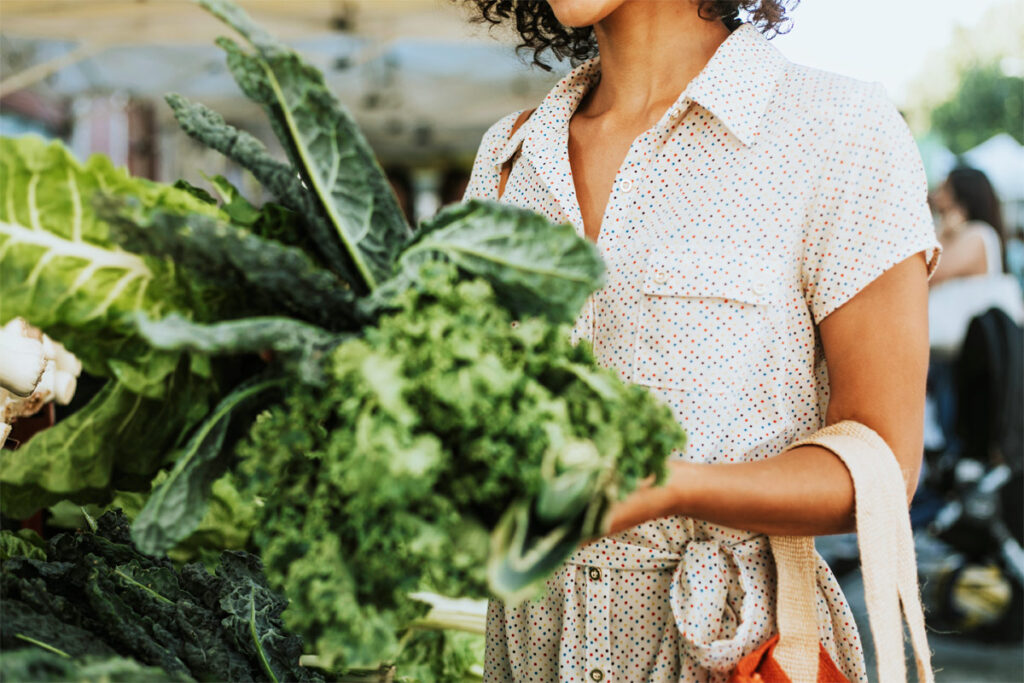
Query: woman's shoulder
{"type": "Point", "coordinates": [496, 137]}
{"type": "Point", "coordinates": [841, 105]}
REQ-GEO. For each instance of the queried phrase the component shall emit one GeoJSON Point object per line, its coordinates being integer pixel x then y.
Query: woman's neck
{"type": "Point", "coordinates": [650, 51]}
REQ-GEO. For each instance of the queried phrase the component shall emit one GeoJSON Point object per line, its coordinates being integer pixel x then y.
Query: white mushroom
{"type": "Point", "coordinates": [34, 370]}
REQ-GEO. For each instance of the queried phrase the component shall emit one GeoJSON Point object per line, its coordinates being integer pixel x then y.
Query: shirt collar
{"type": "Point", "coordinates": [736, 85]}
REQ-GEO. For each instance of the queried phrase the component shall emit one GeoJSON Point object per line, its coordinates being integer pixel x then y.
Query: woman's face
{"type": "Point", "coordinates": [946, 205]}
{"type": "Point", "coordinates": [577, 13]}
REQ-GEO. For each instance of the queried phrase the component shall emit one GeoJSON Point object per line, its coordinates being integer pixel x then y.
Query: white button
{"type": "Point", "coordinates": [660, 278]}
{"type": "Point", "coordinates": [626, 185]}
{"type": "Point", "coordinates": [759, 287]}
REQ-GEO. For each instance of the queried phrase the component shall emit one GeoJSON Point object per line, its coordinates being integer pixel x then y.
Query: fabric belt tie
{"type": "Point", "coordinates": [700, 587]}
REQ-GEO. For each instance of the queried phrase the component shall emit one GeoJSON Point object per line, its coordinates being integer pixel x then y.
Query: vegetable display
{"type": "Point", "coordinates": [395, 413]}
{"type": "Point", "coordinates": [94, 595]}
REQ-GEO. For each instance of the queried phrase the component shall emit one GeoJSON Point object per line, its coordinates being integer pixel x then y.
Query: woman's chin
{"type": "Point", "coordinates": [578, 13]}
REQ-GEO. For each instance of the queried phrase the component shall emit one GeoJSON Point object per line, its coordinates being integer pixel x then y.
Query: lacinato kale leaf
{"type": "Point", "coordinates": [178, 504]}
{"type": "Point", "coordinates": [323, 143]}
{"type": "Point", "coordinates": [535, 268]}
{"type": "Point", "coordinates": [263, 277]}
{"type": "Point", "coordinates": [278, 178]}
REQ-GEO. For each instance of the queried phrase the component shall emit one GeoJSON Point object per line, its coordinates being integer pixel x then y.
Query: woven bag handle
{"type": "Point", "coordinates": [883, 528]}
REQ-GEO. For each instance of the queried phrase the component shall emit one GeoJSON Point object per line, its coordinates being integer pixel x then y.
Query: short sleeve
{"type": "Point", "coordinates": [483, 179]}
{"type": "Point", "coordinates": [871, 208]}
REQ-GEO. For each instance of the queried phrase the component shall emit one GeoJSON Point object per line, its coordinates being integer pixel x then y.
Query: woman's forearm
{"type": "Point", "coordinates": [806, 491]}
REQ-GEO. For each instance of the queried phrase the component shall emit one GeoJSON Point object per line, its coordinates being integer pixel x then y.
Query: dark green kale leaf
{"type": "Point", "coordinates": [535, 268]}
{"type": "Point", "coordinates": [98, 595]}
{"type": "Point", "coordinates": [260, 276]}
{"type": "Point", "coordinates": [298, 348]}
{"type": "Point", "coordinates": [280, 179]}
{"type": "Point", "coordinates": [323, 142]}
{"type": "Point", "coordinates": [255, 617]}
{"type": "Point", "coordinates": [178, 504]}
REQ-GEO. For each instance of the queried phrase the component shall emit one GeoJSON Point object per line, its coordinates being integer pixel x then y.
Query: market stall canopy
{"type": "Point", "coordinates": [423, 82]}
{"type": "Point", "coordinates": [175, 22]}
{"type": "Point", "coordinates": [1001, 157]}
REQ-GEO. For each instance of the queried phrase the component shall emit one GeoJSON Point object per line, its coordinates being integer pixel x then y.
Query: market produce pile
{"type": "Point", "coordinates": [397, 411]}
{"type": "Point", "coordinates": [89, 604]}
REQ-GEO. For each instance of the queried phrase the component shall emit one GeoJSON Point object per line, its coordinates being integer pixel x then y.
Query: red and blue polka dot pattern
{"type": "Point", "coordinates": [767, 196]}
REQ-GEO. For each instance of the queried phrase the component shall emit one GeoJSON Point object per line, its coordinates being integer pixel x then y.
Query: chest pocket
{"type": "Point", "coordinates": [705, 325]}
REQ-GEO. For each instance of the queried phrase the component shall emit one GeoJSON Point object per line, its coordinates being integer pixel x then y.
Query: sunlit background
{"type": "Point", "coordinates": [424, 84]}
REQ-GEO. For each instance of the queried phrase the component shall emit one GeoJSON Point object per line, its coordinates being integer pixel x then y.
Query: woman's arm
{"type": "Point", "coordinates": [876, 347]}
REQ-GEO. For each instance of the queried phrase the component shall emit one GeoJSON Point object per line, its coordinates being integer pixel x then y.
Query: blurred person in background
{"type": "Point", "coordinates": [971, 226]}
{"type": "Point", "coordinates": [971, 277]}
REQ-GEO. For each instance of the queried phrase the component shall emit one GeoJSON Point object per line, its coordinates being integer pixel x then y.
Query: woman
{"type": "Point", "coordinates": [970, 228]}
{"type": "Point", "coordinates": [768, 244]}
{"type": "Point", "coordinates": [971, 279]}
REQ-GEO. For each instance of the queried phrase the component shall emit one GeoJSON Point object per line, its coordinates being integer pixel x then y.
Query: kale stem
{"type": "Point", "coordinates": [143, 587]}
{"type": "Point", "coordinates": [256, 636]}
{"type": "Point", "coordinates": [43, 645]}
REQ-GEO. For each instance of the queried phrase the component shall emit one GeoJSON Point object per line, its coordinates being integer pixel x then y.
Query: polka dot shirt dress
{"type": "Point", "coordinates": [763, 199]}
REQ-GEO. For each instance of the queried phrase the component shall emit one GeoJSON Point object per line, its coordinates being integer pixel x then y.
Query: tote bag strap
{"type": "Point", "coordinates": [506, 168]}
{"type": "Point", "coordinates": [888, 565]}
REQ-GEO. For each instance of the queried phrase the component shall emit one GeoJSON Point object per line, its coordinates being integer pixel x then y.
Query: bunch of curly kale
{"type": "Point", "coordinates": [441, 422]}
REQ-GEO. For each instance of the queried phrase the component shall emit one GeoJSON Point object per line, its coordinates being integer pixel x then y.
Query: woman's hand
{"type": "Point", "coordinates": [647, 502]}
{"type": "Point", "coordinates": [876, 346]}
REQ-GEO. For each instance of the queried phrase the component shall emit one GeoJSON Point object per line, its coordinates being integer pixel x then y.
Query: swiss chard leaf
{"type": "Point", "coordinates": [300, 348]}
{"type": "Point", "coordinates": [260, 275]}
{"type": "Point", "coordinates": [535, 268]}
{"type": "Point", "coordinates": [176, 507]}
{"type": "Point", "coordinates": [118, 439]}
{"type": "Point", "coordinates": [323, 142]}
{"type": "Point", "coordinates": [60, 270]}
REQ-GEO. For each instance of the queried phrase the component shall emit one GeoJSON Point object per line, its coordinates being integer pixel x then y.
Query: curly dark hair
{"type": "Point", "coordinates": [540, 31]}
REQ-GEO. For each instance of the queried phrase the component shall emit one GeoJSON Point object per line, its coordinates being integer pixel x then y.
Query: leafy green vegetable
{"type": "Point", "coordinates": [22, 543]}
{"type": "Point", "coordinates": [117, 440]}
{"type": "Point", "coordinates": [60, 270]}
{"type": "Point", "coordinates": [323, 142]}
{"type": "Point", "coordinates": [177, 506]}
{"type": "Point", "coordinates": [209, 128]}
{"type": "Point", "coordinates": [229, 519]}
{"type": "Point", "coordinates": [273, 277]}
{"type": "Point", "coordinates": [535, 268]}
{"type": "Point", "coordinates": [297, 346]}
{"type": "Point", "coordinates": [441, 422]}
{"type": "Point", "coordinates": [41, 666]}
{"type": "Point", "coordinates": [97, 595]}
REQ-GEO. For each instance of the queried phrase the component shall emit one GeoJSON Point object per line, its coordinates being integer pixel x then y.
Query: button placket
{"type": "Point", "coordinates": [598, 628]}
